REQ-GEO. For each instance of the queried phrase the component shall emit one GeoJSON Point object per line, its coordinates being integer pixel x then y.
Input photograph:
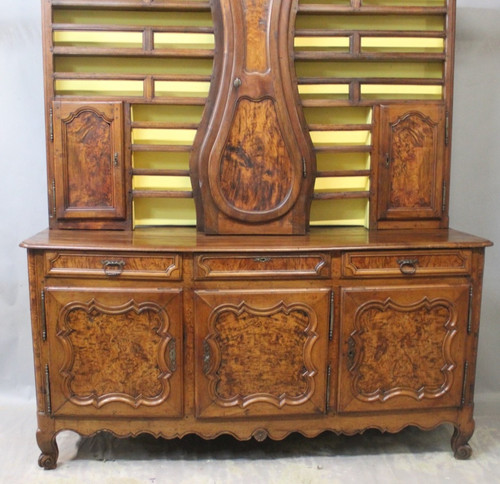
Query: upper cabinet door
{"type": "Point", "coordinates": [253, 163]}
{"type": "Point", "coordinates": [411, 163]}
{"type": "Point", "coordinates": [88, 188]}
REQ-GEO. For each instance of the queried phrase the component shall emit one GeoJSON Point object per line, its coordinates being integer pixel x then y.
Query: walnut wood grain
{"type": "Point", "coordinates": [401, 347]}
{"type": "Point", "coordinates": [252, 163]}
{"type": "Point", "coordinates": [114, 351]}
{"type": "Point", "coordinates": [410, 161]}
{"type": "Point", "coordinates": [260, 354]}
{"type": "Point", "coordinates": [88, 164]}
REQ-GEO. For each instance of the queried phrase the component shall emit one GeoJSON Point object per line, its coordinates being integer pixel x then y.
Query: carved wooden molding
{"type": "Point", "coordinates": [130, 341]}
{"type": "Point", "coordinates": [236, 362]}
{"type": "Point", "coordinates": [257, 265]}
{"type": "Point", "coordinates": [168, 266]}
{"type": "Point", "coordinates": [252, 163]}
{"type": "Point", "coordinates": [370, 264]}
{"type": "Point", "coordinates": [392, 353]}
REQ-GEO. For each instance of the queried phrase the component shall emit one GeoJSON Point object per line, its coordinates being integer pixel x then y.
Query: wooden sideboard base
{"type": "Point", "coordinates": [171, 332]}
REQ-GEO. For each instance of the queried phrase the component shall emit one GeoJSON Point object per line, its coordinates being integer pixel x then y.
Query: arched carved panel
{"type": "Point", "coordinates": [411, 152]}
{"type": "Point", "coordinates": [88, 162]}
{"type": "Point", "coordinates": [412, 158]}
{"type": "Point", "coordinates": [89, 153]}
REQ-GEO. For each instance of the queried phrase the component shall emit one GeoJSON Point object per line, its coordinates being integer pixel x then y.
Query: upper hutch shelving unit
{"type": "Point", "coordinates": [248, 210]}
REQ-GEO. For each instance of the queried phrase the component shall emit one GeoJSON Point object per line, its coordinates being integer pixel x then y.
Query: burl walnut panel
{"type": "Point", "coordinates": [411, 160]}
{"type": "Point", "coordinates": [115, 350]}
{"type": "Point", "coordinates": [88, 161]}
{"type": "Point", "coordinates": [401, 347]}
{"type": "Point", "coordinates": [259, 354]}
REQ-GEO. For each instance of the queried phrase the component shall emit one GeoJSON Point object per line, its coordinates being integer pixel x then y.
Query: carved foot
{"type": "Point", "coordinates": [460, 444]}
{"type": "Point", "coordinates": [50, 451]}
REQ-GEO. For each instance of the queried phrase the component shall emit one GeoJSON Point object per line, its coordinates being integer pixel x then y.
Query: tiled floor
{"type": "Point", "coordinates": [411, 456]}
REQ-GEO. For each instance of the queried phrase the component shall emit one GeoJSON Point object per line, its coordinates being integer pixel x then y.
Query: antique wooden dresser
{"type": "Point", "coordinates": [249, 222]}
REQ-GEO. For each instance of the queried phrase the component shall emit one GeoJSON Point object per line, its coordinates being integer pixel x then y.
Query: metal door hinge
{"type": "Point", "coordinates": [466, 378]}
{"type": "Point", "coordinates": [445, 194]}
{"type": "Point", "coordinates": [447, 129]}
{"type": "Point", "coordinates": [172, 354]}
{"type": "Point", "coordinates": [51, 124]}
{"type": "Point", "coordinates": [328, 386]}
{"type": "Point", "coordinates": [332, 316]}
{"type": "Point", "coordinates": [48, 402]}
{"type": "Point", "coordinates": [469, 321]}
{"type": "Point", "coordinates": [44, 318]}
{"type": "Point", "coordinates": [54, 208]}
{"type": "Point", "coordinates": [304, 168]}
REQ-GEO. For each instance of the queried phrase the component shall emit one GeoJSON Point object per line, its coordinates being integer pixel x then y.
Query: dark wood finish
{"type": "Point", "coordinates": [88, 186]}
{"type": "Point", "coordinates": [409, 158]}
{"type": "Point", "coordinates": [307, 346]}
{"type": "Point", "coordinates": [253, 165]}
{"type": "Point", "coordinates": [258, 327]}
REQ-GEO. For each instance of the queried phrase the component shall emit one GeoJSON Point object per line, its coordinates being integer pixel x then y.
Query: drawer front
{"type": "Point", "coordinates": [250, 266]}
{"type": "Point", "coordinates": [114, 265]}
{"type": "Point", "coordinates": [405, 263]}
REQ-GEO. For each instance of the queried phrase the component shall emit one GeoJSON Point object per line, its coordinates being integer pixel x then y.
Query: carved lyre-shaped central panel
{"type": "Point", "coordinates": [255, 139]}
{"type": "Point", "coordinates": [253, 163]}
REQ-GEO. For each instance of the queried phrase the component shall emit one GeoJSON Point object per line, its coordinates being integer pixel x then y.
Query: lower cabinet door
{"type": "Point", "coordinates": [114, 352]}
{"type": "Point", "coordinates": [402, 347]}
{"type": "Point", "coordinates": [261, 353]}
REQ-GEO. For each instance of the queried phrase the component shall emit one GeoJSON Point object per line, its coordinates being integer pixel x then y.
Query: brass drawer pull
{"type": "Point", "coordinates": [262, 259]}
{"type": "Point", "coordinates": [113, 268]}
{"type": "Point", "coordinates": [408, 267]}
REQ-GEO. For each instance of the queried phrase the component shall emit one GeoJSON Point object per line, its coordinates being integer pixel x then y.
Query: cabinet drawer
{"type": "Point", "coordinates": [405, 263]}
{"type": "Point", "coordinates": [250, 266]}
{"type": "Point", "coordinates": [114, 265]}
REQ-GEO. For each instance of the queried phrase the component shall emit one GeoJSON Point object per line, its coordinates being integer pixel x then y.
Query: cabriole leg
{"type": "Point", "coordinates": [460, 441]}
{"type": "Point", "coordinates": [48, 446]}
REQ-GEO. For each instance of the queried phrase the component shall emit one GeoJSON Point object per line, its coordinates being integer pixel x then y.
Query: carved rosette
{"type": "Point", "coordinates": [400, 350]}
{"type": "Point", "coordinates": [260, 355]}
{"type": "Point", "coordinates": [116, 353]}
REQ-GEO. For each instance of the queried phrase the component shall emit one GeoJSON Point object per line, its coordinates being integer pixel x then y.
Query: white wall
{"type": "Point", "coordinates": [475, 189]}
{"type": "Point", "coordinates": [475, 172]}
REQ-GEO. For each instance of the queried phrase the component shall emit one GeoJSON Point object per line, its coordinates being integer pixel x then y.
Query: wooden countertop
{"type": "Point", "coordinates": [181, 239]}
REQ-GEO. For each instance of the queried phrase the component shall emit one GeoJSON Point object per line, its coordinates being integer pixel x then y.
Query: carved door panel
{"type": "Point", "coordinates": [253, 164]}
{"type": "Point", "coordinates": [402, 347]}
{"type": "Point", "coordinates": [411, 151]}
{"type": "Point", "coordinates": [114, 352]}
{"type": "Point", "coordinates": [88, 163]}
{"type": "Point", "coordinates": [261, 353]}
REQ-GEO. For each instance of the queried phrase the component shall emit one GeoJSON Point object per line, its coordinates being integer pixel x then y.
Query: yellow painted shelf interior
{"type": "Point", "coordinates": [102, 53]}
